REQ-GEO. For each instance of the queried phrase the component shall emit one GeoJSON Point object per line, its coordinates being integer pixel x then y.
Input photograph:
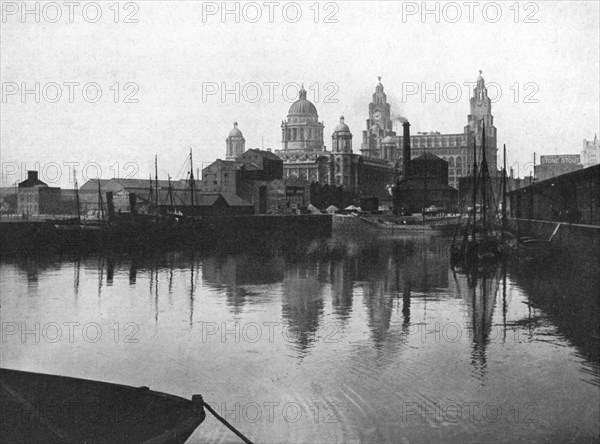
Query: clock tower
{"type": "Point", "coordinates": [379, 124]}
{"type": "Point", "coordinates": [481, 113]}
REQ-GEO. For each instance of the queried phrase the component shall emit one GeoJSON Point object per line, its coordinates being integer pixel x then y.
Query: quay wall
{"type": "Point", "coordinates": [368, 226]}
{"type": "Point", "coordinates": [582, 240]}
{"type": "Point", "coordinates": [349, 224]}
{"type": "Point", "coordinates": [265, 227]}
{"type": "Point", "coordinates": [222, 232]}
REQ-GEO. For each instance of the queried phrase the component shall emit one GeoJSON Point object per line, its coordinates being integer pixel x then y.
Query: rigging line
{"type": "Point", "coordinates": [178, 197]}
{"type": "Point", "coordinates": [183, 167]}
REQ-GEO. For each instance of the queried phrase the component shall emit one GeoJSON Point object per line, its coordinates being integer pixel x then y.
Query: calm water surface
{"type": "Point", "coordinates": [340, 341]}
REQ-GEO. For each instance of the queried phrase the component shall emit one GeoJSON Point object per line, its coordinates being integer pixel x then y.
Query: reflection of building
{"type": "Point", "coordinates": [480, 299]}
{"type": "Point", "coordinates": [302, 303]}
{"type": "Point", "coordinates": [232, 273]}
{"type": "Point", "coordinates": [555, 165]}
{"type": "Point", "coordinates": [590, 155]}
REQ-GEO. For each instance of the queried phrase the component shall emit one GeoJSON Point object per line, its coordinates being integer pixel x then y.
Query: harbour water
{"type": "Point", "coordinates": [341, 340]}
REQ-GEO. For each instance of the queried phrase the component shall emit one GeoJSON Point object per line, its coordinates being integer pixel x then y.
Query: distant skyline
{"type": "Point", "coordinates": [174, 57]}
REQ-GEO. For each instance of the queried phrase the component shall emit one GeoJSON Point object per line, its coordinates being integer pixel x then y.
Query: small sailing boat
{"type": "Point", "coordinates": [480, 244]}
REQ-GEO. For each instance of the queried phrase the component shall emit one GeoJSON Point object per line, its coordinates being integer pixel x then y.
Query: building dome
{"type": "Point", "coordinates": [302, 106]}
{"type": "Point", "coordinates": [235, 132]}
{"type": "Point", "coordinates": [342, 127]}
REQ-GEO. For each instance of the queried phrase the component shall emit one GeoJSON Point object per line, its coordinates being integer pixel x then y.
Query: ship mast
{"type": "Point", "coordinates": [156, 178]}
{"type": "Point", "coordinates": [484, 172]}
{"type": "Point", "coordinates": [100, 202]}
{"type": "Point", "coordinates": [192, 180]}
{"type": "Point", "coordinates": [504, 179]}
{"type": "Point", "coordinates": [474, 184]}
{"type": "Point", "coordinates": [170, 194]}
{"type": "Point", "coordinates": [77, 195]}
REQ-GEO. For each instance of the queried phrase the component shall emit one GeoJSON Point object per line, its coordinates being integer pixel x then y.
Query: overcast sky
{"type": "Point", "coordinates": [173, 64]}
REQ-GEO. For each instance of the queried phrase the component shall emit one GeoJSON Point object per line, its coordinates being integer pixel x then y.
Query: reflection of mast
{"type": "Point", "coordinates": [406, 303]}
{"type": "Point", "coordinates": [151, 282]}
{"type": "Point", "coordinates": [171, 279]}
{"type": "Point", "coordinates": [504, 180]}
{"type": "Point", "coordinates": [110, 270]}
{"type": "Point", "coordinates": [76, 278]}
{"type": "Point", "coordinates": [100, 276]}
{"type": "Point", "coordinates": [132, 272]}
{"type": "Point", "coordinates": [504, 301]}
{"type": "Point", "coordinates": [474, 185]}
{"type": "Point", "coordinates": [482, 306]}
{"type": "Point", "coordinates": [192, 288]}
{"type": "Point", "coordinates": [156, 297]}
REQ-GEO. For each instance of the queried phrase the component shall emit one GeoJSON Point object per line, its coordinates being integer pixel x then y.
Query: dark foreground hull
{"type": "Point", "coordinates": [38, 408]}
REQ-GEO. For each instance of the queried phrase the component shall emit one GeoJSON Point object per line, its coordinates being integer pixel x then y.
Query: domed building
{"type": "Point", "coordinates": [344, 163]}
{"type": "Point", "coordinates": [305, 158]}
{"type": "Point", "coordinates": [235, 142]}
{"type": "Point", "coordinates": [302, 130]}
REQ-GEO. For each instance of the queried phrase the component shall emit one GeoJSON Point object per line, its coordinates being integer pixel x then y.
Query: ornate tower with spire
{"type": "Point", "coordinates": [379, 125]}
{"type": "Point", "coordinates": [481, 112]}
{"type": "Point", "coordinates": [235, 143]}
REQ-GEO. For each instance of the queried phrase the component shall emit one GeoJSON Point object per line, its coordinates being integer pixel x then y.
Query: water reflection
{"type": "Point", "coordinates": [405, 329]}
{"type": "Point", "coordinates": [233, 273]}
{"type": "Point", "coordinates": [564, 296]}
{"type": "Point", "coordinates": [385, 274]}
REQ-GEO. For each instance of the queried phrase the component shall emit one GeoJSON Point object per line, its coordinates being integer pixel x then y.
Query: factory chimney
{"type": "Point", "coordinates": [406, 147]}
